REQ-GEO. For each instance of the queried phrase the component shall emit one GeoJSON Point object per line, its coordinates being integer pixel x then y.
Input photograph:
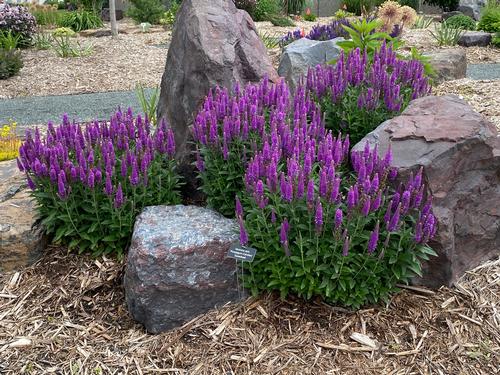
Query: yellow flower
{"type": "Point", "coordinates": [408, 16]}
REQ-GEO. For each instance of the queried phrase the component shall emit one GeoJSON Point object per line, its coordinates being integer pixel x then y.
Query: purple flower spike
{"type": "Point", "coordinates": [273, 216]}
{"type": "Point", "coordinates": [239, 208]}
{"type": "Point", "coordinates": [318, 217]}
{"type": "Point", "coordinates": [338, 218]}
{"type": "Point", "coordinates": [108, 187]}
{"type": "Point", "coordinates": [243, 234]}
{"type": "Point", "coordinates": [345, 248]}
{"type": "Point", "coordinates": [90, 179]}
{"type": "Point", "coordinates": [393, 223]}
{"type": "Point", "coordinates": [373, 241]}
{"type": "Point", "coordinates": [61, 185]}
{"type": "Point", "coordinates": [119, 196]}
{"type": "Point", "coordinates": [310, 192]}
{"type": "Point", "coordinates": [284, 236]}
{"type": "Point", "coordinates": [365, 210]}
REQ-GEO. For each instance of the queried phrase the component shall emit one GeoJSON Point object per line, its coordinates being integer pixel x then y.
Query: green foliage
{"type": "Point", "coordinates": [91, 5]}
{"type": "Point", "coordinates": [490, 19]}
{"type": "Point", "coordinates": [341, 14]}
{"type": "Point", "coordinates": [461, 21]}
{"type": "Point", "coordinates": [293, 6]}
{"type": "Point", "coordinates": [445, 5]}
{"type": "Point", "coordinates": [309, 16]}
{"type": "Point", "coordinates": [363, 36]}
{"type": "Point", "coordinates": [81, 20]}
{"type": "Point", "coordinates": [270, 40]}
{"type": "Point", "coordinates": [359, 7]}
{"type": "Point", "coordinates": [150, 11]}
{"type": "Point", "coordinates": [42, 40]}
{"type": "Point", "coordinates": [411, 3]}
{"type": "Point", "coordinates": [64, 48]}
{"type": "Point", "coordinates": [8, 40]}
{"type": "Point", "coordinates": [422, 22]}
{"type": "Point", "coordinates": [446, 35]}
{"type": "Point", "coordinates": [281, 21]}
{"type": "Point", "coordinates": [265, 9]}
{"type": "Point", "coordinates": [148, 104]}
{"type": "Point", "coordinates": [48, 16]}
{"type": "Point", "coordinates": [425, 61]}
{"type": "Point", "coordinates": [170, 15]}
{"type": "Point", "coordinates": [63, 31]}
{"type": "Point", "coordinates": [496, 40]}
{"type": "Point", "coordinates": [10, 62]}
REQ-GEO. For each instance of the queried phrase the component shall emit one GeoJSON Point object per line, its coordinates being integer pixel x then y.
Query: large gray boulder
{"type": "Point", "coordinates": [449, 63]}
{"type": "Point", "coordinates": [474, 38]}
{"type": "Point", "coordinates": [213, 43]}
{"type": "Point", "coordinates": [472, 8]}
{"type": "Point", "coordinates": [177, 267]}
{"type": "Point", "coordinates": [460, 153]}
{"type": "Point", "coordinates": [22, 241]}
{"type": "Point", "coordinates": [303, 54]}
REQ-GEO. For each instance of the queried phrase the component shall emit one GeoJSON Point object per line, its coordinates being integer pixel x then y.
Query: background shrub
{"type": "Point", "coordinates": [19, 21]}
{"type": "Point", "coordinates": [146, 11]}
{"type": "Point", "coordinates": [10, 62]}
{"type": "Point", "coordinates": [265, 9]}
{"type": "Point", "coordinates": [359, 6]}
{"type": "Point", "coordinates": [90, 181]}
{"type": "Point", "coordinates": [445, 5]}
{"type": "Point", "coordinates": [461, 21]}
{"type": "Point", "coordinates": [46, 14]}
{"type": "Point", "coordinates": [81, 20]}
{"type": "Point", "coordinates": [9, 141]}
{"type": "Point", "coordinates": [246, 5]}
{"type": "Point", "coordinates": [490, 20]}
{"type": "Point", "coordinates": [293, 6]}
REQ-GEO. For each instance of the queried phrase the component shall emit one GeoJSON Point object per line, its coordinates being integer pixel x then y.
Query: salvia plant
{"type": "Point", "coordinates": [319, 32]}
{"type": "Point", "coordinates": [325, 227]}
{"type": "Point", "coordinates": [228, 128]}
{"type": "Point", "coordinates": [359, 92]}
{"type": "Point", "coordinates": [91, 180]}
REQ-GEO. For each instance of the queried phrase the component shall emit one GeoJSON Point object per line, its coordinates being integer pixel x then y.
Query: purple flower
{"type": "Point", "coordinates": [393, 223]}
{"type": "Point", "coordinates": [338, 218]}
{"type": "Point", "coordinates": [273, 216]}
{"type": "Point", "coordinates": [243, 234]}
{"type": "Point", "coordinates": [310, 192]}
{"type": "Point", "coordinates": [239, 208]}
{"type": "Point", "coordinates": [318, 217]}
{"type": "Point", "coordinates": [345, 247]}
{"type": "Point", "coordinates": [284, 236]}
{"type": "Point", "coordinates": [373, 241]}
{"type": "Point", "coordinates": [90, 179]}
{"type": "Point", "coordinates": [119, 196]}
{"type": "Point", "coordinates": [365, 210]}
{"type": "Point", "coordinates": [61, 185]}
{"type": "Point", "coordinates": [108, 187]}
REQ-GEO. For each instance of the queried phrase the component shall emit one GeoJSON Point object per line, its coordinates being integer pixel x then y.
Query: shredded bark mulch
{"type": "Point", "coordinates": [67, 315]}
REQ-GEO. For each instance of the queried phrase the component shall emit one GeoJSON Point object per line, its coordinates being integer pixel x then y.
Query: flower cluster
{"type": "Point", "coordinates": [344, 234]}
{"type": "Point", "coordinates": [358, 93]}
{"type": "Point", "coordinates": [395, 17]}
{"type": "Point", "coordinates": [319, 32]}
{"type": "Point", "coordinates": [19, 21]}
{"type": "Point", "coordinates": [91, 180]}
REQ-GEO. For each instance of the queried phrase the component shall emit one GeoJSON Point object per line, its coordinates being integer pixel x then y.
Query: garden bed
{"type": "Point", "coordinates": [67, 313]}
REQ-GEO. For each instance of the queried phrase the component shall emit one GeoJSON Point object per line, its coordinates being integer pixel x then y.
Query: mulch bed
{"type": "Point", "coordinates": [67, 315]}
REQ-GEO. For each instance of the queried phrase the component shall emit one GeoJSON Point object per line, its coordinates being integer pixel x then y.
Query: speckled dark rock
{"type": "Point", "coordinates": [460, 152]}
{"type": "Point", "coordinates": [474, 38]}
{"type": "Point", "coordinates": [177, 266]}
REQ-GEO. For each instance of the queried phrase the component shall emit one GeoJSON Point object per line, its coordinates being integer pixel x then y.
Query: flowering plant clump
{"type": "Point", "coordinates": [324, 228]}
{"type": "Point", "coordinates": [319, 32]}
{"type": "Point", "coordinates": [228, 128]}
{"type": "Point", "coordinates": [19, 21]}
{"type": "Point", "coordinates": [394, 17]}
{"type": "Point", "coordinates": [9, 142]}
{"type": "Point", "coordinates": [90, 181]}
{"type": "Point", "coordinates": [359, 93]}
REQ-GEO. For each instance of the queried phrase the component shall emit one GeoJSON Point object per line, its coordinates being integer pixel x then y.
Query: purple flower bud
{"type": "Point", "coordinates": [134, 177]}
{"type": "Point", "coordinates": [61, 185]}
{"type": "Point", "coordinates": [373, 241]}
{"type": "Point", "coordinates": [31, 184]}
{"type": "Point", "coordinates": [393, 223]}
{"type": "Point", "coordinates": [243, 234]}
{"type": "Point", "coordinates": [318, 217]}
{"type": "Point", "coordinates": [351, 202]}
{"type": "Point", "coordinates": [108, 187]}
{"type": "Point", "coordinates": [284, 236]}
{"type": "Point", "coordinates": [119, 196]}
{"type": "Point", "coordinates": [53, 174]}
{"type": "Point", "coordinates": [365, 210]}
{"type": "Point", "coordinates": [310, 192]}
{"type": "Point", "coordinates": [345, 248]}
{"type": "Point", "coordinates": [90, 179]}
{"type": "Point", "coordinates": [405, 201]}
{"type": "Point", "coordinates": [418, 232]}
{"type": "Point", "coordinates": [393, 173]}
{"type": "Point", "coordinates": [323, 186]}
{"type": "Point", "coordinates": [239, 208]}
{"type": "Point", "coordinates": [338, 218]}
{"type": "Point", "coordinates": [273, 216]}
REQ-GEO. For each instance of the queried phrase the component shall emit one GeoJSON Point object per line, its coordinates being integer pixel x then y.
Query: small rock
{"type": "Point", "coordinates": [472, 8]}
{"type": "Point", "coordinates": [449, 64]}
{"type": "Point", "coordinates": [475, 38]}
{"type": "Point", "coordinates": [303, 54]}
{"type": "Point", "coordinates": [21, 241]}
{"type": "Point", "coordinates": [460, 152]}
{"type": "Point", "coordinates": [177, 267]}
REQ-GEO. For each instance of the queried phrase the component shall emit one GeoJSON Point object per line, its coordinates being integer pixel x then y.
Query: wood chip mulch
{"type": "Point", "coordinates": [67, 315]}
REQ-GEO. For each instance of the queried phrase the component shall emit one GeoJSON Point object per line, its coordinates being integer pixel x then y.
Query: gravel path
{"type": "Point", "coordinates": [84, 107]}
